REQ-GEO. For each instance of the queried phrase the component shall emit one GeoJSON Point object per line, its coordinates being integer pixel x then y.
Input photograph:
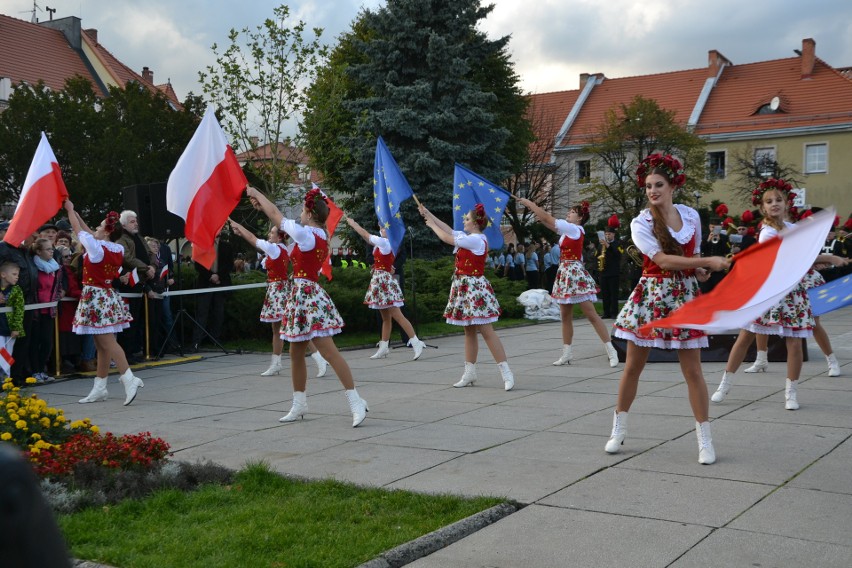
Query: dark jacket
{"type": "Point", "coordinates": [28, 280]}
{"type": "Point", "coordinates": [224, 266]}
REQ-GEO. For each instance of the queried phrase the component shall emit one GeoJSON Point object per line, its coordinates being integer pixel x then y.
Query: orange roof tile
{"type": "Point", "coordinates": [676, 91]}
{"type": "Point", "coordinates": [32, 52]}
{"type": "Point", "coordinates": [823, 99]}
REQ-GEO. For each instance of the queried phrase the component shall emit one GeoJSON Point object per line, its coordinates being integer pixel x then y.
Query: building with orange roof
{"type": "Point", "coordinates": [796, 111]}
{"type": "Point", "coordinates": [57, 50]}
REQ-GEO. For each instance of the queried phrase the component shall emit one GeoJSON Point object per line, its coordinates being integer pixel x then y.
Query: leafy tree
{"type": "Point", "coordinates": [628, 133]}
{"type": "Point", "coordinates": [258, 84]}
{"type": "Point", "coordinates": [102, 145]}
{"type": "Point", "coordinates": [438, 92]}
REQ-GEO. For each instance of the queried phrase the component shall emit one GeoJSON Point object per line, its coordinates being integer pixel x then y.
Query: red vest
{"type": "Point", "coordinates": [307, 265]}
{"type": "Point", "coordinates": [101, 274]}
{"type": "Point", "coordinates": [571, 249]}
{"type": "Point", "coordinates": [469, 264]}
{"type": "Point", "coordinates": [383, 261]}
{"type": "Point", "coordinates": [650, 269]}
{"type": "Point", "coordinates": [276, 269]}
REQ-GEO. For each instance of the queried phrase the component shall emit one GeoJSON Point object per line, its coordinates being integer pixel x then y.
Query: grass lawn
{"type": "Point", "coordinates": [262, 520]}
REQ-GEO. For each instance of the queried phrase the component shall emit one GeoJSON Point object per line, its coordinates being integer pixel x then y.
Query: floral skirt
{"type": "Point", "coordinates": [384, 291]}
{"type": "Point", "coordinates": [100, 311]}
{"type": "Point", "coordinates": [654, 298]}
{"type": "Point", "coordinates": [812, 279]}
{"type": "Point", "coordinates": [472, 302]}
{"type": "Point", "coordinates": [791, 317]}
{"type": "Point", "coordinates": [273, 304]}
{"type": "Point", "coordinates": [309, 313]}
{"type": "Point", "coordinates": [573, 284]}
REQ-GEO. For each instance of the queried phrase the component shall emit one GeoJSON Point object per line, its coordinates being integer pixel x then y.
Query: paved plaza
{"type": "Point", "coordinates": [780, 493]}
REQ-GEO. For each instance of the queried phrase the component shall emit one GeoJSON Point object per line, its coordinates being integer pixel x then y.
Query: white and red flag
{"type": "Point", "coordinates": [41, 197]}
{"type": "Point", "coordinates": [335, 214]}
{"type": "Point", "coordinates": [133, 278]}
{"type": "Point", "coordinates": [762, 275]}
{"type": "Point", "coordinates": [6, 361]}
{"type": "Point", "coordinates": [205, 187]}
{"type": "Point", "coordinates": [164, 272]}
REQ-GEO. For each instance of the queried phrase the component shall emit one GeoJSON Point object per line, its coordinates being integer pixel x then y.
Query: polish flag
{"type": "Point", "coordinates": [133, 279]}
{"type": "Point", "coordinates": [164, 272]}
{"type": "Point", "coordinates": [6, 359]}
{"type": "Point", "coordinates": [42, 195]}
{"type": "Point", "coordinates": [762, 275]}
{"type": "Point", "coordinates": [205, 187]}
{"type": "Point", "coordinates": [335, 214]}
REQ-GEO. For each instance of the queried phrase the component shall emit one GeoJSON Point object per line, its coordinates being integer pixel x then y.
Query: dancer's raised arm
{"type": "Point", "coordinates": [441, 229]}
{"type": "Point", "coordinates": [362, 232]}
{"type": "Point", "coordinates": [262, 203]}
{"type": "Point", "coordinates": [546, 218]}
{"type": "Point", "coordinates": [241, 231]}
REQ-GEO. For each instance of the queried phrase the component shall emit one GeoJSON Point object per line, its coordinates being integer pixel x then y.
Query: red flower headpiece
{"type": "Point", "coordinates": [772, 184]}
{"type": "Point", "coordinates": [584, 209]}
{"type": "Point", "coordinates": [722, 210]}
{"type": "Point", "coordinates": [110, 221]}
{"type": "Point", "coordinates": [311, 199]}
{"type": "Point", "coordinates": [479, 216]}
{"type": "Point", "coordinates": [613, 222]}
{"type": "Point", "coordinates": [668, 163]}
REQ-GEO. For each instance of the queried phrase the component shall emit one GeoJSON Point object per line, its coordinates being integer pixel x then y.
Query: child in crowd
{"type": "Point", "coordinates": [11, 322]}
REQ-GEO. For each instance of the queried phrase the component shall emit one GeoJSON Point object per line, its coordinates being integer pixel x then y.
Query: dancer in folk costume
{"type": "Point", "coordinates": [574, 284]}
{"type": "Point", "coordinates": [790, 318]}
{"type": "Point", "coordinates": [309, 313]}
{"type": "Point", "coordinates": [101, 312]}
{"type": "Point", "coordinates": [276, 261]}
{"type": "Point", "coordinates": [472, 303]}
{"type": "Point", "coordinates": [384, 293]}
{"type": "Point", "coordinates": [669, 237]}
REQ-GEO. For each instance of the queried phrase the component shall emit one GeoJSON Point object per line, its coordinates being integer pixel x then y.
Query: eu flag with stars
{"type": "Point", "coordinates": [390, 189]}
{"type": "Point", "coordinates": [468, 190]}
{"type": "Point", "coordinates": [831, 296]}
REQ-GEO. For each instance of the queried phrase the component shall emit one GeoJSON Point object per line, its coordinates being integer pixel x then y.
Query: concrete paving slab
{"type": "Point", "coordinates": [727, 547]}
{"type": "Point", "coordinates": [449, 437]}
{"type": "Point", "coordinates": [547, 536]}
{"type": "Point", "coordinates": [800, 513]}
{"type": "Point", "coordinates": [512, 417]}
{"type": "Point", "coordinates": [663, 496]}
{"type": "Point", "coordinates": [831, 473]}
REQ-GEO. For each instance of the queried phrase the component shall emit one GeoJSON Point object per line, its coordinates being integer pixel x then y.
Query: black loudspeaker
{"type": "Point", "coordinates": [149, 203]}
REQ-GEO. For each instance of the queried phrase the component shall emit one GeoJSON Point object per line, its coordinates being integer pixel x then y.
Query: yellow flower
{"type": "Point", "coordinates": [95, 429]}
{"type": "Point", "coordinates": [31, 381]}
{"type": "Point", "coordinates": [36, 436]}
{"type": "Point", "coordinates": [5, 436]}
{"type": "Point", "coordinates": [14, 417]}
{"type": "Point", "coordinates": [45, 422]}
{"type": "Point", "coordinates": [11, 406]}
{"type": "Point", "coordinates": [20, 424]}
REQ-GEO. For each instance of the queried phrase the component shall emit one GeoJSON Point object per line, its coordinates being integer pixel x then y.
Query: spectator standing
{"type": "Point", "coordinates": [610, 276]}
{"type": "Point", "coordinates": [28, 282]}
{"type": "Point", "coordinates": [11, 296]}
{"type": "Point", "coordinates": [531, 267]}
{"type": "Point", "coordinates": [50, 288]}
{"type": "Point", "coordinates": [69, 342]}
{"type": "Point", "coordinates": [135, 257]}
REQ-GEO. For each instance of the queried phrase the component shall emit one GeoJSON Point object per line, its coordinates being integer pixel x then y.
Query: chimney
{"type": "Point", "coordinates": [584, 78]}
{"type": "Point", "coordinates": [808, 57]}
{"type": "Point", "coordinates": [715, 63]}
{"type": "Point", "coordinates": [148, 75]}
{"type": "Point", "coordinates": [93, 33]}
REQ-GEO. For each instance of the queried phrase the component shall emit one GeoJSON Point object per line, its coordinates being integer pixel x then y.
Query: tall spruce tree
{"type": "Point", "coordinates": [419, 74]}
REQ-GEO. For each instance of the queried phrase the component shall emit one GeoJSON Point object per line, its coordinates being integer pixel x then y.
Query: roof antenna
{"type": "Point", "coordinates": [51, 11]}
{"type": "Point", "coordinates": [34, 16]}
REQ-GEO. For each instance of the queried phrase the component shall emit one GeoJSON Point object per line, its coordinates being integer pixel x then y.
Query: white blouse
{"type": "Point", "coordinates": [302, 235]}
{"type": "Point", "coordinates": [570, 230]}
{"type": "Point", "coordinates": [95, 248]}
{"type": "Point", "coordinates": [381, 243]}
{"type": "Point", "coordinates": [642, 231]}
{"type": "Point", "coordinates": [474, 242]}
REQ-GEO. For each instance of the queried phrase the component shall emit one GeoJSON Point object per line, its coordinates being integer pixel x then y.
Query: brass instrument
{"type": "Point", "coordinates": [634, 255]}
{"type": "Point", "coordinates": [602, 259]}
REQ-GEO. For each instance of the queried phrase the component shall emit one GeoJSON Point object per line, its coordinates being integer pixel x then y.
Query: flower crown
{"type": "Point", "coordinates": [667, 163]}
{"type": "Point", "coordinates": [311, 199]}
{"type": "Point", "coordinates": [479, 216]}
{"type": "Point", "coordinates": [110, 221]}
{"type": "Point", "coordinates": [773, 184]}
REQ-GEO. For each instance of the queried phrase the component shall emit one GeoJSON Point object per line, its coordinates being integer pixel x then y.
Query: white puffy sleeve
{"type": "Point", "coordinates": [766, 233]}
{"type": "Point", "coordinates": [271, 250]}
{"type": "Point", "coordinates": [300, 234]}
{"type": "Point", "coordinates": [92, 246]}
{"type": "Point", "coordinates": [570, 230]}
{"type": "Point", "coordinates": [641, 231]}
{"type": "Point", "coordinates": [475, 242]}
{"type": "Point", "coordinates": [382, 243]}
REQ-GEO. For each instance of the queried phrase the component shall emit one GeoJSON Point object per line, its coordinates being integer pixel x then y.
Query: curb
{"type": "Point", "coordinates": [441, 538]}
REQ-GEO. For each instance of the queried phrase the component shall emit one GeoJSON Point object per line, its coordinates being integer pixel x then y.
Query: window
{"type": "Point", "coordinates": [716, 165]}
{"type": "Point", "coordinates": [584, 171]}
{"type": "Point", "coordinates": [816, 158]}
{"type": "Point", "coordinates": [764, 161]}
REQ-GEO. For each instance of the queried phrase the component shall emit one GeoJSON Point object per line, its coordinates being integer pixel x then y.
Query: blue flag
{"type": "Point", "coordinates": [390, 189]}
{"type": "Point", "coordinates": [470, 189]}
{"type": "Point", "coordinates": [831, 296]}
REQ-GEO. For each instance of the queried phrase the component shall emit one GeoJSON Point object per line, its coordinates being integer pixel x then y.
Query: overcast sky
{"type": "Point", "coordinates": [553, 41]}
